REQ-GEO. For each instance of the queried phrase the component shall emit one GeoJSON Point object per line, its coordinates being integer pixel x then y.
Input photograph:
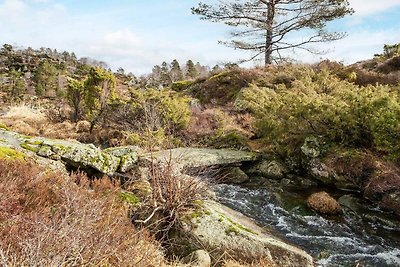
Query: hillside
{"type": "Point", "coordinates": [294, 129]}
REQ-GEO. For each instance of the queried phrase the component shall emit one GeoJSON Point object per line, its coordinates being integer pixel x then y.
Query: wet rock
{"type": "Point", "coordinates": [391, 201]}
{"type": "Point", "coordinates": [224, 232]}
{"type": "Point", "coordinates": [271, 169]}
{"type": "Point", "coordinates": [285, 182]}
{"type": "Point", "coordinates": [323, 203]}
{"type": "Point", "coordinates": [321, 172]}
{"type": "Point", "coordinates": [307, 183]}
{"type": "Point", "coordinates": [350, 202]}
{"type": "Point", "coordinates": [198, 258]}
{"type": "Point", "coordinates": [234, 175]}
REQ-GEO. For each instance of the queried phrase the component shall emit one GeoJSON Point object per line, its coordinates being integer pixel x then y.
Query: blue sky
{"type": "Point", "coordinates": [137, 34]}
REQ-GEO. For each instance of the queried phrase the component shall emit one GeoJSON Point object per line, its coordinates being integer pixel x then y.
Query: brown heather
{"type": "Point", "coordinates": [48, 220]}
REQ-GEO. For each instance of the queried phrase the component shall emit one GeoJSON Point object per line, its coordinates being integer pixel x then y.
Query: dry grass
{"type": "Point", "coordinates": [28, 120]}
{"type": "Point", "coordinates": [48, 220]}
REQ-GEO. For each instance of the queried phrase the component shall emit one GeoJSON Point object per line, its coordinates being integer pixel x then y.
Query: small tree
{"type": "Point", "coordinates": [99, 90]}
{"type": "Point", "coordinates": [266, 27]}
{"type": "Point", "coordinates": [17, 85]}
{"type": "Point", "coordinates": [176, 71]}
{"type": "Point", "coordinates": [165, 78]}
{"type": "Point", "coordinates": [75, 95]}
{"type": "Point", "coordinates": [46, 78]}
{"type": "Point", "coordinates": [391, 50]}
{"type": "Point", "coordinates": [191, 72]}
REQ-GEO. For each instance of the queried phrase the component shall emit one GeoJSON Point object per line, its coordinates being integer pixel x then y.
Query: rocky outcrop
{"type": "Point", "coordinates": [323, 203]}
{"type": "Point", "coordinates": [223, 232]}
{"type": "Point", "coordinates": [121, 159]}
{"type": "Point", "coordinates": [184, 158]}
{"type": "Point", "coordinates": [215, 227]}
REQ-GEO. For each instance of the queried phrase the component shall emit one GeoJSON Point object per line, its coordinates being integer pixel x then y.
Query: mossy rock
{"type": "Point", "coordinates": [10, 153]}
{"type": "Point", "coordinates": [3, 126]}
{"type": "Point", "coordinates": [223, 232]}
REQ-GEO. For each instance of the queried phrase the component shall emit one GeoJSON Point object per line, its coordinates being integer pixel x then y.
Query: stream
{"type": "Point", "coordinates": [345, 240]}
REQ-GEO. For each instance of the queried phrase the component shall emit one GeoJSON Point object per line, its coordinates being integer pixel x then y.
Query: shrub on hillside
{"type": "Point", "coordinates": [323, 105]}
{"type": "Point", "coordinates": [223, 87]}
{"type": "Point", "coordinates": [150, 116]}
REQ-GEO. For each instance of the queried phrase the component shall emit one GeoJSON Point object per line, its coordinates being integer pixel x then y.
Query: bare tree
{"type": "Point", "coordinates": [267, 27]}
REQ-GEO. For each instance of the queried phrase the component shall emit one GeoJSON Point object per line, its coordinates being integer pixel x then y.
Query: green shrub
{"type": "Point", "coordinates": [230, 139]}
{"type": "Point", "coordinates": [152, 140]}
{"type": "Point", "coordinates": [222, 88]}
{"type": "Point", "coordinates": [321, 104]}
{"type": "Point", "coordinates": [181, 85]}
{"type": "Point", "coordinates": [161, 108]}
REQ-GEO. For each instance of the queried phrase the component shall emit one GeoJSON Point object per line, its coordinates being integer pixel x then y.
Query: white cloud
{"type": "Point", "coordinates": [12, 10]}
{"type": "Point", "coordinates": [365, 8]}
{"type": "Point", "coordinates": [355, 47]}
{"type": "Point", "coordinates": [127, 40]}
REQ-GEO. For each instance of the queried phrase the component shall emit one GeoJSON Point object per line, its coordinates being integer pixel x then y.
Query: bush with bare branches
{"type": "Point", "coordinates": [173, 194]}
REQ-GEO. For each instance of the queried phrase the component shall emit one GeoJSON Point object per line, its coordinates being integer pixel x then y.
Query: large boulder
{"type": "Point", "coordinates": [223, 231]}
{"type": "Point", "coordinates": [75, 153]}
{"type": "Point", "coordinates": [183, 158]}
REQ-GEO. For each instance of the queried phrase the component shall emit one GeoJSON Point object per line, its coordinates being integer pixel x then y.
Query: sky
{"type": "Point", "coordinates": [138, 34]}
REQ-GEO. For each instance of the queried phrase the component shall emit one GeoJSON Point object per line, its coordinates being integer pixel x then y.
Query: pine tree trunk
{"type": "Point", "coordinates": [269, 33]}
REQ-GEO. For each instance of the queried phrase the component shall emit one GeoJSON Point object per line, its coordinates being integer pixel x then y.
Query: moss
{"type": "Point", "coordinates": [30, 147]}
{"type": "Point", "coordinates": [129, 198]}
{"type": "Point", "coordinates": [32, 142]}
{"type": "Point", "coordinates": [10, 153]}
{"type": "Point", "coordinates": [198, 212]}
{"type": "Point", "coordinates": [3, 140]}
{"type": "Point", "coordinates": [235, 224]}
{"type": "Point", "coordinates": [232, 229]}
{"type": "Point", "coordinates": [4, 127]}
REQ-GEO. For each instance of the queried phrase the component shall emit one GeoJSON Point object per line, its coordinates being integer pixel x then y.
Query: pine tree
{"type": "Point", "coordinates": [165, 78]}
{"type": "Point", "coordinates": [191, 72]}
{"type": "Point", "coordinates": [266, 26]}
{"type": "Point", "coordinates": [176, 71]}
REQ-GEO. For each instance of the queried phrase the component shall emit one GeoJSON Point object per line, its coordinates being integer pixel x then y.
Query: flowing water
{"type": "Point", "coordinates": [346, 240]}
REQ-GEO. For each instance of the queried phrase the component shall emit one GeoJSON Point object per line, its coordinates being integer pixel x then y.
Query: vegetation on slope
{"type": "Point", "coordinates": [49, 219]}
